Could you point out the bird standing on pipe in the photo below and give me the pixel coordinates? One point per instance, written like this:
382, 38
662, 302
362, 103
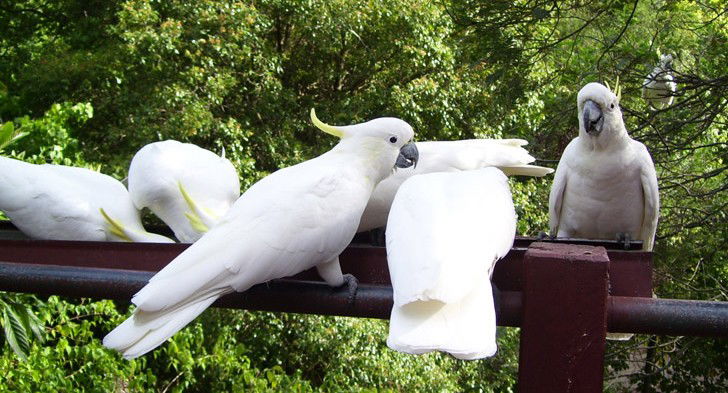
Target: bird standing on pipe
605, 185
294, 219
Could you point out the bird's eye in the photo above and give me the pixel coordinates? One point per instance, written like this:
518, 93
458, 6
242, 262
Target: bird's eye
612, 106
393, 139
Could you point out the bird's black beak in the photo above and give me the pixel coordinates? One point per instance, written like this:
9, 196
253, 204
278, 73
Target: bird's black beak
592, 118
408, 156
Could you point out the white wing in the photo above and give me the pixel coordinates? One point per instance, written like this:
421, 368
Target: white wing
445, 233
46, 206
556, 196
59, 202
648, 176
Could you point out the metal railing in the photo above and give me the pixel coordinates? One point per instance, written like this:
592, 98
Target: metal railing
565, 297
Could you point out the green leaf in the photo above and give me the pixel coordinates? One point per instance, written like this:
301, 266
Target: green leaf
30, 322
15, 333
6, 133
9, 134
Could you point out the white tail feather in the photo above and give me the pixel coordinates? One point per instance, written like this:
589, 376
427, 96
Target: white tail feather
144, 331
465, 329
512, 142
526, 170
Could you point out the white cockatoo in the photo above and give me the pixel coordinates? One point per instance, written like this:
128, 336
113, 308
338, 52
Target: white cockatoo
292, 220
188, 187
605, 185
659, 87
56, 202
445, 233
449, 156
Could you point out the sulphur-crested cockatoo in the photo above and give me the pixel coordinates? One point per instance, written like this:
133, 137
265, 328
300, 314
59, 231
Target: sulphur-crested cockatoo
659, 87
605, 186
445, 233
188, 187
441, 156
56, 202
294, 219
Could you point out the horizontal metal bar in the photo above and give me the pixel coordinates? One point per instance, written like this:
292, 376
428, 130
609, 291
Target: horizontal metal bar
375, 237
669, 317
299, 296
624, 314
634, 245
630, 272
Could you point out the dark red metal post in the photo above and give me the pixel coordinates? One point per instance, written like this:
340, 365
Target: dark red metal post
564, 318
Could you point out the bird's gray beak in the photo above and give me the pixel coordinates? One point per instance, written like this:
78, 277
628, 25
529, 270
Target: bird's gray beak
592, 118
408, 156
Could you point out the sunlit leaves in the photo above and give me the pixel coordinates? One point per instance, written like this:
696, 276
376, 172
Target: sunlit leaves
9, 134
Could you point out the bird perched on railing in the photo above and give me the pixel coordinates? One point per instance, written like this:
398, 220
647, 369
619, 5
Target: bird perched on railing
445, 233
440, 156
605, 185
56, 202
659, 87
188, 187
292, 220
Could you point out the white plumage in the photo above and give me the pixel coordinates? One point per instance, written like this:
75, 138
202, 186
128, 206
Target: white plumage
296, 218
659, 87
605, 185
56, 202
441, 156
445, 233
188, 187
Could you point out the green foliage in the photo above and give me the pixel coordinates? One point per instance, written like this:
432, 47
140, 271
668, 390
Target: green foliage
232, 351
8, 132
50, 138
73, 359
349, 354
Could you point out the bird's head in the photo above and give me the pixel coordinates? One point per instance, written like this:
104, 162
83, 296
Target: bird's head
666, 61
386, 138
599, 112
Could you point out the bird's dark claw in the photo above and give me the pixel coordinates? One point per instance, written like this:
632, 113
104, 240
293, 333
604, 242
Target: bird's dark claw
376, 237
543, 236
625, 239
352, 284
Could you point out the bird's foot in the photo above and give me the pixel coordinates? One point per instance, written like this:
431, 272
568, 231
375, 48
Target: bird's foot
376, 237
543, 236
352, 284
625, 239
